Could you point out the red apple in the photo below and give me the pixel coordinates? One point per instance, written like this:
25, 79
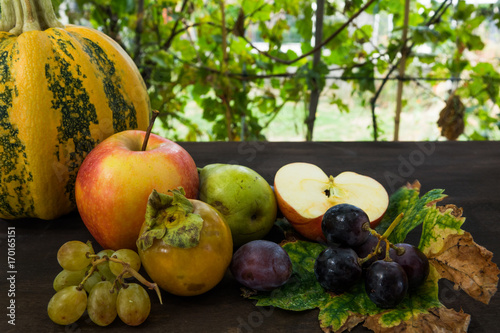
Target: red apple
304, 193
116, 178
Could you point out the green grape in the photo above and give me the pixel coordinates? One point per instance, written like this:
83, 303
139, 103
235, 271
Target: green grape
101, 304
133, 304
72, 255
67, 305
103, 268
95, 278
129, 256
68, 278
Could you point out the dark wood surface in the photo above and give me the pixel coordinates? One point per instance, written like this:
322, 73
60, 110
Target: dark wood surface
468, 171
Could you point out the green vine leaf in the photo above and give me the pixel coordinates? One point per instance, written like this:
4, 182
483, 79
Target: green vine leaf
302, 291
451, 251
415, 208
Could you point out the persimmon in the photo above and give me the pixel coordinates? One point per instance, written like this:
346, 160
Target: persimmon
185, 245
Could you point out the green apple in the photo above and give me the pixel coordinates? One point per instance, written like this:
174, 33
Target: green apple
242, 196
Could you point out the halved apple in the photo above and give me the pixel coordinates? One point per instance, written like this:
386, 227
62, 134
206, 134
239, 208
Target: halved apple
304, 193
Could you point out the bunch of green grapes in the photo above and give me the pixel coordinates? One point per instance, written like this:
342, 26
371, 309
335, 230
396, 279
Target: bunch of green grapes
95, 282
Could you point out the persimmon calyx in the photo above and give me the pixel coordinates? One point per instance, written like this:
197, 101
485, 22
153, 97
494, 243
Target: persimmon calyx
171, 219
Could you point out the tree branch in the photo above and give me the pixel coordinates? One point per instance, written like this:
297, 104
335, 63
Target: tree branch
139, 28
251, 77
258, 9
375, 47
168, 42
437, 15
402, 69
188, 26
315, 91
113, 28
224, 65
317, 47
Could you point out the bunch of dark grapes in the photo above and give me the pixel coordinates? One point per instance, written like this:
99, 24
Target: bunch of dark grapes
356, 251
95, 282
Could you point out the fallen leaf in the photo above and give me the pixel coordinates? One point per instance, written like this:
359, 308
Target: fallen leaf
435, 320
468, 264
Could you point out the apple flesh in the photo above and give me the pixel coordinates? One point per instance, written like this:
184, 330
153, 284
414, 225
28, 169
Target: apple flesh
304, 193
116, 178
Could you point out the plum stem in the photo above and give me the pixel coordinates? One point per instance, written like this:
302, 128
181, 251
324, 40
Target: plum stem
150, 127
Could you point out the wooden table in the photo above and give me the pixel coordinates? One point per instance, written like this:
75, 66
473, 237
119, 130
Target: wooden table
469, 171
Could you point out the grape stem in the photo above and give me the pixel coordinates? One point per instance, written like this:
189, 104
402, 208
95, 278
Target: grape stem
382, 238
387, 233
89, 274
393, 225
369, 256
387, 248
399, 250
119, 278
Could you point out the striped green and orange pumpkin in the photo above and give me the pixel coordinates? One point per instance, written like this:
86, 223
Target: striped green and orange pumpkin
62, 91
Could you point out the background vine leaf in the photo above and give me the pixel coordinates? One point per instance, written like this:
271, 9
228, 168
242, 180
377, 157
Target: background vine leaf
178, 47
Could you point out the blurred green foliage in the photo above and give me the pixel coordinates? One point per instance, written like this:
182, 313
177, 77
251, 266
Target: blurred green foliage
230, 57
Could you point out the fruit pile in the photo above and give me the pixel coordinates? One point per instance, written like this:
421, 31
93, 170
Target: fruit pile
97, 283
190, 225
355, 251
184, 244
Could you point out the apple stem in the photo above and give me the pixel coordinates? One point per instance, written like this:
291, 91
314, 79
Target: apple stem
150, 127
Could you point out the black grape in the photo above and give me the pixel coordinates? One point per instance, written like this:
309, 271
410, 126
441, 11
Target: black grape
414, 262
337, 269
344, 224
386, 283
261, 265
367, 247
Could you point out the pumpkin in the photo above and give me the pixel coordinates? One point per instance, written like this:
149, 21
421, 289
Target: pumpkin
63, 89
